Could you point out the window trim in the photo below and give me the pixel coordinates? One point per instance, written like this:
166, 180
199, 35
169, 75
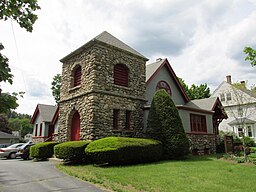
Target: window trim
41, 129
200, 126
127, 120
115, 119
167, 87
77, 76
229, 96
36, 129
121, 75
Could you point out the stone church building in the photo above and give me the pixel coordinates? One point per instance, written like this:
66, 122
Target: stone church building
107, 89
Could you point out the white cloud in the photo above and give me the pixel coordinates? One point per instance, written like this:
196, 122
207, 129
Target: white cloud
203, 40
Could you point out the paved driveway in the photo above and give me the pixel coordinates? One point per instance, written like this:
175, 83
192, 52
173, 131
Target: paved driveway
18, 176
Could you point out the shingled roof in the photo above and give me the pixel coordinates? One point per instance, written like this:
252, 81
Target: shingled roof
46, 112
206, 104
4, 135
108, 39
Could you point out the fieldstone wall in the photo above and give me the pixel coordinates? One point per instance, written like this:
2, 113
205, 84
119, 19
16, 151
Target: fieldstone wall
201, 144
38, 139
97, 96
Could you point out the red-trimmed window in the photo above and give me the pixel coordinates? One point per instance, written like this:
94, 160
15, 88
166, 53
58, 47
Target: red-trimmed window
164, 85
115, 118
77, 76
121, 75
128, 120
41, 129
198, 123
36, 129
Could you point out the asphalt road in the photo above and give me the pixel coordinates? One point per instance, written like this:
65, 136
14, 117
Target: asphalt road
18, 175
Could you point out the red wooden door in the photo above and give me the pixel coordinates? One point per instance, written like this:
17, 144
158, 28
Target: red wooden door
75, 127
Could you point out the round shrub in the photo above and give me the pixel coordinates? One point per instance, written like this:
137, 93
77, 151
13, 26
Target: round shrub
72, 151
42, 151
123, 150
165, 125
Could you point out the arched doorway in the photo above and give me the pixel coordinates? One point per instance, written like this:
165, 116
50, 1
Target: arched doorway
75, 127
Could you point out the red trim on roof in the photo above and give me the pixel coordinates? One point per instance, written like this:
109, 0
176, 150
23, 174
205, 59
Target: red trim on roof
55, 117
32, 121
176, 81
194, 110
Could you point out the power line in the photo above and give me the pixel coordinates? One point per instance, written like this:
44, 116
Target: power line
18, 56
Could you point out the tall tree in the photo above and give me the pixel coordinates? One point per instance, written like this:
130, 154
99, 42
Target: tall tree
56, 83
4, 124
251, 55
20, 124
196, 91
165, 125
23, 13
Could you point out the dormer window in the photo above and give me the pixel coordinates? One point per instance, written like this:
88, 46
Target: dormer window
77, 76
164, 85
121, 75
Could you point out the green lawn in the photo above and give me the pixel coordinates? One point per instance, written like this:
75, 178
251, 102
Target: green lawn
194, 174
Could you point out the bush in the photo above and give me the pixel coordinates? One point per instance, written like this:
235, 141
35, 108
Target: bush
165, 125
249, 142
123, 150
42, 151
72, 151
253, 149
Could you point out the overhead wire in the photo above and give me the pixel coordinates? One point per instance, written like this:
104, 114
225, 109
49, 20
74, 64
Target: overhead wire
18, 56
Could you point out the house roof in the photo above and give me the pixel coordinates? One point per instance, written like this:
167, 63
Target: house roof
245, 90
241, 120
46, 112
4, 135
206, 104
153, 69
105, 38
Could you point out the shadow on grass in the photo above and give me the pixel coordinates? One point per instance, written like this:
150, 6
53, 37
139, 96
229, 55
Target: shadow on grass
189, 158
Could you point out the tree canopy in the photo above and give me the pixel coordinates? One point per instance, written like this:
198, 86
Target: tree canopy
23, 13
196, 91
251, 55
56, 83
20, 11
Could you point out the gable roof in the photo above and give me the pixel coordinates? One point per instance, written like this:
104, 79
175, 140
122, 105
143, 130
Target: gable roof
245, 90
153, 69
244, 120
46, 111
4, 135
105, 38
206, 103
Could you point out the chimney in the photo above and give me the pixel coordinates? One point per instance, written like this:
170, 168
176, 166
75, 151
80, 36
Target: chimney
159, 59
242, 84
228, 79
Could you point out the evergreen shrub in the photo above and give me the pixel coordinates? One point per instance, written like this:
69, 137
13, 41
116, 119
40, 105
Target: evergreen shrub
165, 125
72, 151
123, 150
42, 151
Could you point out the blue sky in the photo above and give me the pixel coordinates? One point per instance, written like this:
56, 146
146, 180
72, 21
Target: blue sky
203, 40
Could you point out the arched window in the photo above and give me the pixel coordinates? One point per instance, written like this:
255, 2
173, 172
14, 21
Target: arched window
77, 76
121, 75
165, 86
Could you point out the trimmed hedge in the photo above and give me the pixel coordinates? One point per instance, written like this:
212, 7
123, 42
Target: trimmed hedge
72, 151
42, 151
123, 150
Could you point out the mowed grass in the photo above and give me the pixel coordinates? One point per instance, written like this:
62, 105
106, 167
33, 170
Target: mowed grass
194, 174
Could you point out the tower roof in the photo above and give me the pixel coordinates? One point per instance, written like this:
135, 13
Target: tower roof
108, 39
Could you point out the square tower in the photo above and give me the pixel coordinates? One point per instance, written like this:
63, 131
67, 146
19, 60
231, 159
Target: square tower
103, 91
